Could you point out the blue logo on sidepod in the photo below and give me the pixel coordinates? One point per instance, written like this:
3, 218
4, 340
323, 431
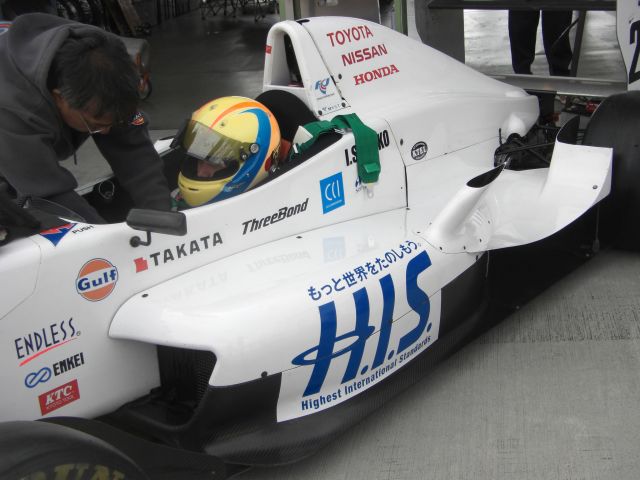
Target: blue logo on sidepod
34, 378
332, 192
322, 85
321, 355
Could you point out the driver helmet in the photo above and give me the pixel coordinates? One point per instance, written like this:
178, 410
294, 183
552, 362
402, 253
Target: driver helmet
229, 145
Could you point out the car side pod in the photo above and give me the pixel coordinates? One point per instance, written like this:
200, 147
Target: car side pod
449, 227
512, 208
156, 221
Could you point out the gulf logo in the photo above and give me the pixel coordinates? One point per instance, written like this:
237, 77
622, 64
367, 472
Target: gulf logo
96, 279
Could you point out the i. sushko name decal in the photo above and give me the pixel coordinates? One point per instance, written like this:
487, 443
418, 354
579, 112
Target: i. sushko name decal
96, 279
361, 340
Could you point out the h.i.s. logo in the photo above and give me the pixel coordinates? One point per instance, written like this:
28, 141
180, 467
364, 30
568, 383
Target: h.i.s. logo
332, 345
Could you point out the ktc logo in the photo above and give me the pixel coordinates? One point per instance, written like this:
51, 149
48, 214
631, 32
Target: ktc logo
35, 378
322, 85
96, 279
332, 192
353, 343
59, 397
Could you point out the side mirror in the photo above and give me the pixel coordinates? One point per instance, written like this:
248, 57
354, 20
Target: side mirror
156, 221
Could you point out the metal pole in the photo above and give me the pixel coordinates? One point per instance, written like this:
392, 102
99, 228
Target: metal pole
400, 16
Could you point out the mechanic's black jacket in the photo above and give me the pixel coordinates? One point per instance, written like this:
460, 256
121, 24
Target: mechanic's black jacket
33, 136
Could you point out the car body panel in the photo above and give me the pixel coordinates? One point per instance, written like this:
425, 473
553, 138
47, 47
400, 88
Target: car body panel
313, 287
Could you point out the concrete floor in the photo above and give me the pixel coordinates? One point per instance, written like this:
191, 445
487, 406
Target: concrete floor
550, 393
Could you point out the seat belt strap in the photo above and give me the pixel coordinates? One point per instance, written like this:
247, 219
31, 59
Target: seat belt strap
365, 137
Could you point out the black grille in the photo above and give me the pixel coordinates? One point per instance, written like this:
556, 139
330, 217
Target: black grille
184, 374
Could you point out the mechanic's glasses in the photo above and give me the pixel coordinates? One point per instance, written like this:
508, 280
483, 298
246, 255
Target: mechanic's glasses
93, 131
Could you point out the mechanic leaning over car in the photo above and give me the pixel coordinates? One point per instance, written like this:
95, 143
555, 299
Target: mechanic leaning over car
61, 82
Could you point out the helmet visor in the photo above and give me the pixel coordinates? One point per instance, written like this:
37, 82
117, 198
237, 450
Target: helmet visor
222, 154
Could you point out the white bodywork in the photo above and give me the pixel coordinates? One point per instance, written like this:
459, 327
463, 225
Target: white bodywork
261, 279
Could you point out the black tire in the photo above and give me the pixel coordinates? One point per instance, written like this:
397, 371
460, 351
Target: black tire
46, 450
616, 124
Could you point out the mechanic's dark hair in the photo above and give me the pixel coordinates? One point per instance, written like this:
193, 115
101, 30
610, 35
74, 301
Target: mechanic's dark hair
95, 66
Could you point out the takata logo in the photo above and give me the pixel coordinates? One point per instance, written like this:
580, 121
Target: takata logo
332, 192
96, 279
322, 85
59, 397
177, 252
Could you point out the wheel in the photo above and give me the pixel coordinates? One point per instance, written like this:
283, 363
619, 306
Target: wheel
46, 450
616, 124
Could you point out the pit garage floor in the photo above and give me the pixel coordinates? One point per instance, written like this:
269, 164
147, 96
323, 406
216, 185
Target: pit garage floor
552, 392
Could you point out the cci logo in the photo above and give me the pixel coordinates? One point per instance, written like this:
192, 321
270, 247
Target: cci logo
332, 345
332, 192
322, 85
34, 378
96, 279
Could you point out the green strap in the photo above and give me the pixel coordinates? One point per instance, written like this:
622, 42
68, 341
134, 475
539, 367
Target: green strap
366, 142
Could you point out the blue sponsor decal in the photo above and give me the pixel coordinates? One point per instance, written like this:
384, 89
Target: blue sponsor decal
321, 85
332, 192
370, 268
54, 235
35, 378
353, 343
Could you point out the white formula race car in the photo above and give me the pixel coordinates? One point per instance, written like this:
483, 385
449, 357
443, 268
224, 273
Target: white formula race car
252, 330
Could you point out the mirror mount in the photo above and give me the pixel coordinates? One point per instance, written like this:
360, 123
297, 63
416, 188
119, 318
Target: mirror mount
156, 221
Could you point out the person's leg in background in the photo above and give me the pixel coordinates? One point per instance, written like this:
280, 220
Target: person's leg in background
523, 26
557, 47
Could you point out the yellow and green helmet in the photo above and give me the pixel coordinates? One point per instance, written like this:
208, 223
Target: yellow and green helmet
234, 140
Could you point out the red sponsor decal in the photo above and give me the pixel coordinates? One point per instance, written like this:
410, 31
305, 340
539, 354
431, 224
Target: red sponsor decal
96, 279
268, 49
141, 264
138, 119
349, 35
375, 74
59, 397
